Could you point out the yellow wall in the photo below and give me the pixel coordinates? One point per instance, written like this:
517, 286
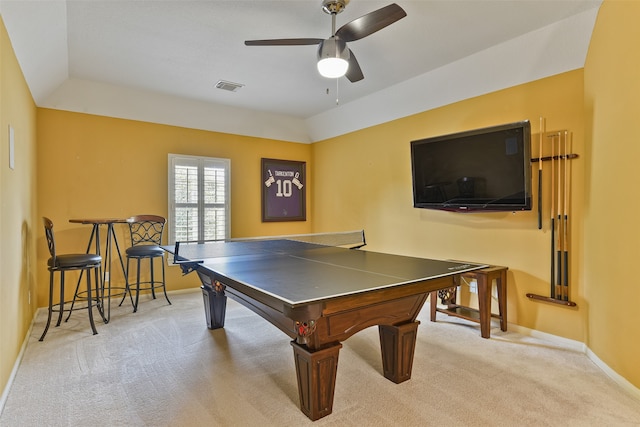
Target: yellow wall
92, 166
363, 180
17, 209
612, 206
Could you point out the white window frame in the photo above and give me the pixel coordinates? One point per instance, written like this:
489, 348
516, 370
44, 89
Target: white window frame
201, 162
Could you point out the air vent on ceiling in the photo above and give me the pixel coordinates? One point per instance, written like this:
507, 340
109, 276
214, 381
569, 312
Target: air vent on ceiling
230, 86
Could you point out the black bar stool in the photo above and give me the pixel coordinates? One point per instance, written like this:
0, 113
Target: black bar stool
146, 238
69, 262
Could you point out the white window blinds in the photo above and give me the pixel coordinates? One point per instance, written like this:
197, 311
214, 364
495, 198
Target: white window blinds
199, 202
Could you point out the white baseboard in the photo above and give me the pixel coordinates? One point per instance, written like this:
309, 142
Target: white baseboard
16, 365
560, 341
626, 385
581, 347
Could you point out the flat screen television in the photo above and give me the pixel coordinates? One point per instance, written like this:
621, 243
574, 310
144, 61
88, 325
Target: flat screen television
486, 169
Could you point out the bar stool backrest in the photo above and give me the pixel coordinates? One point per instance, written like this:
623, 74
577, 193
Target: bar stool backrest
51, 243
146, 229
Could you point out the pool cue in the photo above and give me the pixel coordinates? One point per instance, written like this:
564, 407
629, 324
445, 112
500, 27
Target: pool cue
553, 227
560, 232
540, 177
560, 222
567, 175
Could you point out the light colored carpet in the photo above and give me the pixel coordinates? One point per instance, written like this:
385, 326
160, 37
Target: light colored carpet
163, 367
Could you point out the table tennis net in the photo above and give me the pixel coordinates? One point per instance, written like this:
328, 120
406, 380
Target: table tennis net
184, 251
347, 239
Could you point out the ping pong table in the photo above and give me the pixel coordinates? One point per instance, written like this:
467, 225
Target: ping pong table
320, 295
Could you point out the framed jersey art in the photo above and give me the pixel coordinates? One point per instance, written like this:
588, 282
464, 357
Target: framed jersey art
283, 190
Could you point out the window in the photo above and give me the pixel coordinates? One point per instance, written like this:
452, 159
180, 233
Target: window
199, 202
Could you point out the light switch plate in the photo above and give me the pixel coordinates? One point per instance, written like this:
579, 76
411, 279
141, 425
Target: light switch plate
11, 147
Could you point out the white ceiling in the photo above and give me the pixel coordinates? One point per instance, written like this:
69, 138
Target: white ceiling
160, 60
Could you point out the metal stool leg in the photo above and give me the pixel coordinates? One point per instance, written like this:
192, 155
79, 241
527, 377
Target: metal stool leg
135, 305
75, 295
61, 301
127, 288
90, 303
46, 328
164, 282
143, 285
153, 280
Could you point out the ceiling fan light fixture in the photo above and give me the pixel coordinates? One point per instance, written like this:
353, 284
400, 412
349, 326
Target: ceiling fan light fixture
333, 58
332, 68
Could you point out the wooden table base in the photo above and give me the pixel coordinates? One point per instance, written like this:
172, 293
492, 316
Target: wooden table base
482, 315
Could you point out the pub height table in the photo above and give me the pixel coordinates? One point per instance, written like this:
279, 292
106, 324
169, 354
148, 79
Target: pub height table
111, 240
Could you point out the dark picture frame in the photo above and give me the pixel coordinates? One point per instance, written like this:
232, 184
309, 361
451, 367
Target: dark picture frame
283, 190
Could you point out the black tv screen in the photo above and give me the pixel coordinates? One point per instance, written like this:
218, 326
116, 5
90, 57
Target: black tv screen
486, 169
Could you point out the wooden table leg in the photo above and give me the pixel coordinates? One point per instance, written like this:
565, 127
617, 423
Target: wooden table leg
398, 344
215, 303
484, 304
316, 373
501, 284
433, 299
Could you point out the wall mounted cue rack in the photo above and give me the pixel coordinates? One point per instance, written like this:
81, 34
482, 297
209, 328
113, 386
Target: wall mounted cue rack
559, 145
551, 300
562, 157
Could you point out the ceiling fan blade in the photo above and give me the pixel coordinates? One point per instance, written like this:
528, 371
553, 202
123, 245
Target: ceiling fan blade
371, 22
282, 42
354, 73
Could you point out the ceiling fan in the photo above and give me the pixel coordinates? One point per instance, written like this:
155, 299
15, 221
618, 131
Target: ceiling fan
335, 59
